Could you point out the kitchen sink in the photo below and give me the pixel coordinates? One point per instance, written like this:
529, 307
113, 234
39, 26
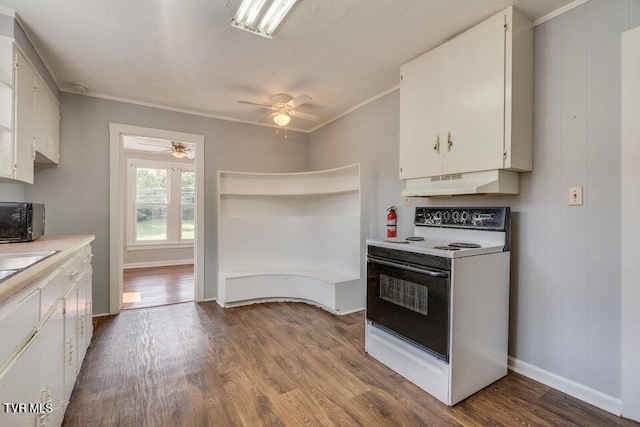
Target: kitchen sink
14, 263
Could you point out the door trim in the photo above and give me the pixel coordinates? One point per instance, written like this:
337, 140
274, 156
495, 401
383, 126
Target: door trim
116, 230
630, 204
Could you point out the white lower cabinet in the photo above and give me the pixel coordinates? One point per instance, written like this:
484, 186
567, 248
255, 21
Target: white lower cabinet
20, 385
37, 378
51, 379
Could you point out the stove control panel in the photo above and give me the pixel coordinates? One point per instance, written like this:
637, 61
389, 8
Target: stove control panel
474, 218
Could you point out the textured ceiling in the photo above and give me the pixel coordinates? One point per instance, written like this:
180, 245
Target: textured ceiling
186, 55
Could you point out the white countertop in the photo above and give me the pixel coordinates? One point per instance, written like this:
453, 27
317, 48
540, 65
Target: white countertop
65, 244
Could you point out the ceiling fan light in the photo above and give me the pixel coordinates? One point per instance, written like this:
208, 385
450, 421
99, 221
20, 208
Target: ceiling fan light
282, 119
179, 154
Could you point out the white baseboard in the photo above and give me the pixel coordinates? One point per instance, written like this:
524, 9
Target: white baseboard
157, 263
567, 386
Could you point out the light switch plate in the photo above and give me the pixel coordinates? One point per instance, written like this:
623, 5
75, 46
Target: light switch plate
575, 196
407, 201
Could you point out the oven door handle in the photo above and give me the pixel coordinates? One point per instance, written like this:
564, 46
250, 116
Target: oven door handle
426, 271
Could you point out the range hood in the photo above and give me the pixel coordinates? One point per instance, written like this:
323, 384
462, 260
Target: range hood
486, 182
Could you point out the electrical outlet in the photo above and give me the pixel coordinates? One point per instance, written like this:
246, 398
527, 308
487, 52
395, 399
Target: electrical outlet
407, 201
575, 196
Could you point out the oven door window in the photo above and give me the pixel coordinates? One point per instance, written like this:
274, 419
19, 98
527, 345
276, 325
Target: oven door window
411, 304
405, 294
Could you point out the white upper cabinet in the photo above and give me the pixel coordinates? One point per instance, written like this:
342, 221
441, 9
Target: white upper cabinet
24, 107
467, 105
29, 117
47, 125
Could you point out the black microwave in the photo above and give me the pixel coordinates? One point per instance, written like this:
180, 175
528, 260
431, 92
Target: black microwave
21, 222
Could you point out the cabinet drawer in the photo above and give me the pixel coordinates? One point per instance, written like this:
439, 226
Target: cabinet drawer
84, 257
70, 272
18, 323
50, 291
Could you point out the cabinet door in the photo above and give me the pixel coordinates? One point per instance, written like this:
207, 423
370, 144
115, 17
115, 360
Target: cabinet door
89, 321
70, 341
24, 124
20, 383
421, 116
82, 317
51, 340
7, 76
47, 124
473, 104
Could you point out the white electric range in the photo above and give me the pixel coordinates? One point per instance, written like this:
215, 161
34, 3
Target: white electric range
437, 304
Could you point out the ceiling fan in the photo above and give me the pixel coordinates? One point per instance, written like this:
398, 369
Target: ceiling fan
284, 108
177, 149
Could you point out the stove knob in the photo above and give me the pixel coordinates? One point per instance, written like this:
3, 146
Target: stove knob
464, 216
446, 215
437, 216
456, 216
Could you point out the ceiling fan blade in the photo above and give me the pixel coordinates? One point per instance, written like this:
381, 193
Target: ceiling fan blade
305, 116
298, 100
160, 143
267, 118
271, 107
190, 155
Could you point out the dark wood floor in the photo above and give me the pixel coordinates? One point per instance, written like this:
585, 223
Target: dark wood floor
278, 364
156, 286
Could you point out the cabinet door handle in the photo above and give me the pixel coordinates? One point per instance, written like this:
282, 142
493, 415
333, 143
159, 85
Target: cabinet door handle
73, 273
449, 142
45, 398
70, 353
437, 144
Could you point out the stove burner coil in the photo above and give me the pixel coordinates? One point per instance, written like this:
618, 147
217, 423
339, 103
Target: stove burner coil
415, 239
446, 248
465, 245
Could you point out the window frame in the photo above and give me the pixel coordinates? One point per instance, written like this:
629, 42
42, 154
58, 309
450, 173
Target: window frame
174, 204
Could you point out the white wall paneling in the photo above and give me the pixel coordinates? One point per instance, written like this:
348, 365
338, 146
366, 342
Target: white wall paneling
630, 227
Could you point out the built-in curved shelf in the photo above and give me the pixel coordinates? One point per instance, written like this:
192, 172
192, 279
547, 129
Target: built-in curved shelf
290, 192
339, 180
291, 236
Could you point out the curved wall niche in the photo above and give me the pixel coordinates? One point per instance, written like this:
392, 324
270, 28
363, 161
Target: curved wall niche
290, 236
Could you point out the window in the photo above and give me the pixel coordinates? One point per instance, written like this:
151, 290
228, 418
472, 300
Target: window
187, 205
161, 203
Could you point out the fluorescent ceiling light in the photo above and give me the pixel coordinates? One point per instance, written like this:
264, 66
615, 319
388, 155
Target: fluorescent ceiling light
268, 13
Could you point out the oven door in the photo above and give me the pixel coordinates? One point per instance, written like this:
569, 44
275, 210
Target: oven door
411, 301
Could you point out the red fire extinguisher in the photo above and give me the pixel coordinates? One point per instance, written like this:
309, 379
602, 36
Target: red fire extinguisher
391, 222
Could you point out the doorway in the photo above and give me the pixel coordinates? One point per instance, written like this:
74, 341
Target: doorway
157, 217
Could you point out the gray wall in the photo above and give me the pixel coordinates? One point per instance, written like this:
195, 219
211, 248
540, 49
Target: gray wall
76, 193
565, 288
